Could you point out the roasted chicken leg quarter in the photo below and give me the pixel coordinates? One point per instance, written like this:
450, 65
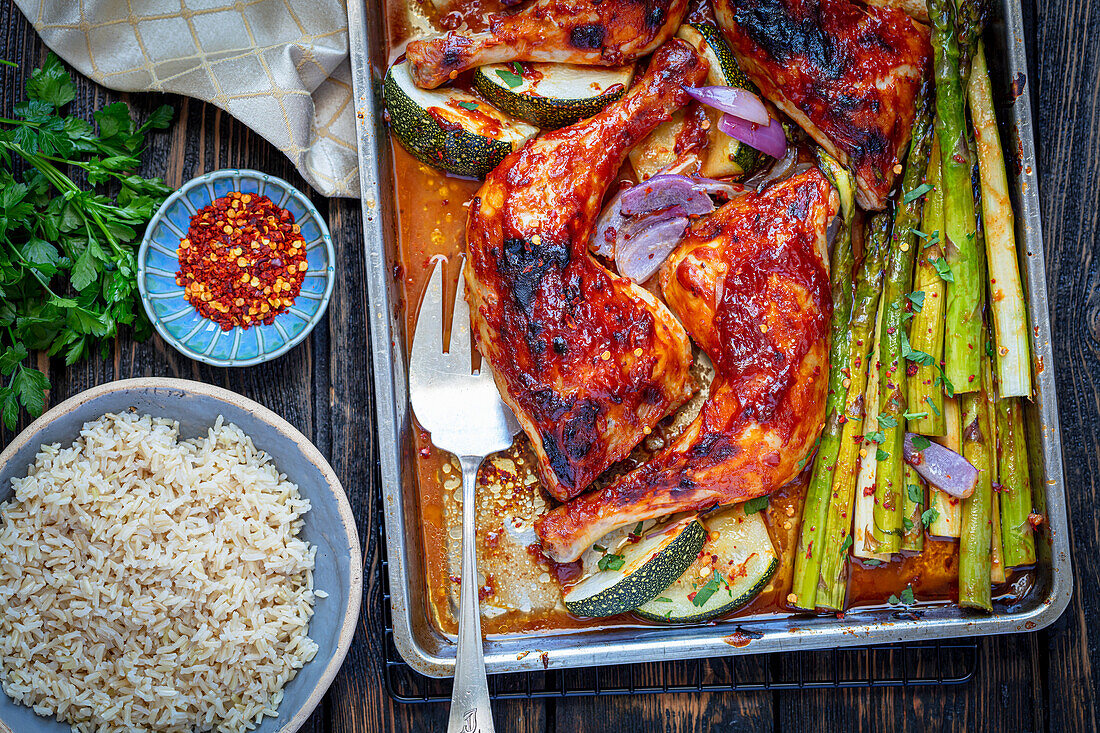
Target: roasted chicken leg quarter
588, 361
593, 32
751, 284
848, 74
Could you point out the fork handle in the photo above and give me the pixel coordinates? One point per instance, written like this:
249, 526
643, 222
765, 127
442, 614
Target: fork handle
470, 712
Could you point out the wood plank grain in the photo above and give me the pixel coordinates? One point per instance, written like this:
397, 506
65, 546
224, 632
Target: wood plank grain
1068, 88
674, 713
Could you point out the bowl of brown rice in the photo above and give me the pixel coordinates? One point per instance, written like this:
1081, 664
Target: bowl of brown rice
173, 557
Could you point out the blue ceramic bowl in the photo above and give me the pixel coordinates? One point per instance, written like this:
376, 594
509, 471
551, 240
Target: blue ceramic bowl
329, 524
179, 323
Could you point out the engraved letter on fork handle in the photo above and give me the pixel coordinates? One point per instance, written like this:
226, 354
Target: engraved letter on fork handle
470, 712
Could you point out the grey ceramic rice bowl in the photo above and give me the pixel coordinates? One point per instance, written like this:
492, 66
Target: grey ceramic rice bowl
329, 524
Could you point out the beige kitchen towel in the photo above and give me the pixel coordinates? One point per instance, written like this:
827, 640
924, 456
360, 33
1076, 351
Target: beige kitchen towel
279, 66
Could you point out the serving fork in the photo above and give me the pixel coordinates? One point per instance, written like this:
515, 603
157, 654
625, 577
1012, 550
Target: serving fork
464, 414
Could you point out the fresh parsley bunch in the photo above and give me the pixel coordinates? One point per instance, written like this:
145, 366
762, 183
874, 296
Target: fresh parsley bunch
67, 264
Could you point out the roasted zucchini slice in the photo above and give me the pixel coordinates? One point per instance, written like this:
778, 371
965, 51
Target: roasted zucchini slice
552, 95
634, 568
449, 128
734, 565
724, 156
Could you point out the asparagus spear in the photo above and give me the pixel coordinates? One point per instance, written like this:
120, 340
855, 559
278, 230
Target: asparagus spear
913, 502
946, 520
996, 550
811, 545
926, 329
1007, 294
976, 540
894, 346
864, 544
971, 18
962, 342
838, 525
1012, 470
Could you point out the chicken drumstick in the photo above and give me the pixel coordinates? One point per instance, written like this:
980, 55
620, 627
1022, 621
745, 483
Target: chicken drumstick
588, 361
593, 32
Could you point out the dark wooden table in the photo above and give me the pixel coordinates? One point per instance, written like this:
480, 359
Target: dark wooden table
1045, 681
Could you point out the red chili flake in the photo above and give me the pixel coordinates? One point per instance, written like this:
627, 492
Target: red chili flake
243, 261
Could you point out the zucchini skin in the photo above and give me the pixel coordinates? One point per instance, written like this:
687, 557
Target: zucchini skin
452, 150
648, 581
545, 112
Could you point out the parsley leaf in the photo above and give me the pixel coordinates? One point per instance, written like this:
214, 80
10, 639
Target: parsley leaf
907, 524
917, 299
920, 442
916, 193
932, 405
872, 563
887, 421
468, 105
709, 589
915, 415
915, 494
881, 455
512, 79
893, 600
848, 542
754, 505
943, 269
876, 437
907, 596
67, 250
929, 516
611, 562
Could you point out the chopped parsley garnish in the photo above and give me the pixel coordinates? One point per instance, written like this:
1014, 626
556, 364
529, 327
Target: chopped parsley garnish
916, 193
928, 517
848, 542
943, 381
920, 442
907, 523
931, 405
907, 596
637, 531
881, 455
611, 562
886, 421
915, 415
915, 355
752, 506
875, 437
708, 590
472, 106
917, 299
663, 599
512, 79
599, 548
943, 269
915, 494
893, 600
872, 563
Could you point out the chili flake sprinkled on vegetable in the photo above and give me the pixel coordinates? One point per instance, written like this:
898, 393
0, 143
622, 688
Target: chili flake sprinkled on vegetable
243, 261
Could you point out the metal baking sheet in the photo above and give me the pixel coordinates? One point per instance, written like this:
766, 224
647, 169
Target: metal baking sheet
432, 653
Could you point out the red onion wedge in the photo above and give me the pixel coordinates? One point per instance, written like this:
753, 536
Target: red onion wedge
941, 467
641, 255
732, 100
674, 195
769, 139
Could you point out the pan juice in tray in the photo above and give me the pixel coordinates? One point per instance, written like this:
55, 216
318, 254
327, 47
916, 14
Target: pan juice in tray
765, 366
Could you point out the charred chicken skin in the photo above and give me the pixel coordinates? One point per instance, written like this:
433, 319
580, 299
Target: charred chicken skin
847, 74
750, 283
593, 32
588, 361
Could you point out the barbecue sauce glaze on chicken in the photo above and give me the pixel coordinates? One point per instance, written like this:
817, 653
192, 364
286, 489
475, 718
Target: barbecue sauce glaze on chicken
593, 32
589, 361
750, 283
848, 74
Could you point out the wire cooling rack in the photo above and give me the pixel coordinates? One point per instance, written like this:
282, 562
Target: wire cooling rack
933, 663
